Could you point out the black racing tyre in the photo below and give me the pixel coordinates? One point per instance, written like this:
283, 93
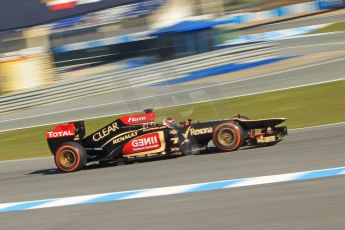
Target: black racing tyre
70, 157
228, 137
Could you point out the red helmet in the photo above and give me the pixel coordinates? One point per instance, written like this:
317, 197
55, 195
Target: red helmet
169, 122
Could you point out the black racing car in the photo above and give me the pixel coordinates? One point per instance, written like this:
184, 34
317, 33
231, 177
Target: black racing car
136, 137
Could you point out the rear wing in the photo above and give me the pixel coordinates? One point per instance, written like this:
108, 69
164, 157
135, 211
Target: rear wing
75, 129
62, 133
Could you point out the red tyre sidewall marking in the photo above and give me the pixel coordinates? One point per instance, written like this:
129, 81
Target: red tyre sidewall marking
58, 153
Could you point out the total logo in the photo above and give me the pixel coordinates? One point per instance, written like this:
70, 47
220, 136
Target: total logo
63, 130
52, 134
66, 4
143, 143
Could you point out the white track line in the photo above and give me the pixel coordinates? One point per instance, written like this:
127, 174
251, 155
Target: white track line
307, 18
315, 35
318, 126
290, 130
171, 190
26, 159
324, 44
182, 91
109, 115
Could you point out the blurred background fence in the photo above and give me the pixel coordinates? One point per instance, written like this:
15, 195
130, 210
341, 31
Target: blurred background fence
169, 37
146, 75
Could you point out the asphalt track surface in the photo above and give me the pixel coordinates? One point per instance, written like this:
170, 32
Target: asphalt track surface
308, 44
312, 204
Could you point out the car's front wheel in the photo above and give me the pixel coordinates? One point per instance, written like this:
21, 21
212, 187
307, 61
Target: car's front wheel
228, 137
70, 157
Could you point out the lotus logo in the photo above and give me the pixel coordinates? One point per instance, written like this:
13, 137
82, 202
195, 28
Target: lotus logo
66, 4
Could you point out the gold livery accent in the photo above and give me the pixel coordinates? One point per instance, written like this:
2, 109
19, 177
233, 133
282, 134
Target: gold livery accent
262, 139
68, 158
174, 140
173, 131
196, 132
175, 137
154, 128
185, 134
125, 137
120, 135
105, 132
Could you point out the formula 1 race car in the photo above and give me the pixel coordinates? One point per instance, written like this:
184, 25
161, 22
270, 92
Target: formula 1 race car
136, 137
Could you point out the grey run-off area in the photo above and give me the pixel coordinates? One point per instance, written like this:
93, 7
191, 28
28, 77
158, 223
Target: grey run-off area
314, 204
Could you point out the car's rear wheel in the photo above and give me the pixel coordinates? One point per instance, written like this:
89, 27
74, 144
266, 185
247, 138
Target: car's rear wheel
228, 137
70, 157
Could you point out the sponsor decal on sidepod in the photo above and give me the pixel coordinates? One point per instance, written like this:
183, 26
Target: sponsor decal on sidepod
143, 143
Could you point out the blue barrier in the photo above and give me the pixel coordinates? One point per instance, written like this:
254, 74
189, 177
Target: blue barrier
308, 7
143, 9
290, 10
98, 43
272, 35
331, 4
218, 70
68, 22
136, 62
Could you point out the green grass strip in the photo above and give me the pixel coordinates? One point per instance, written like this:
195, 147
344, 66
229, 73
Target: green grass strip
307, 106
340, 26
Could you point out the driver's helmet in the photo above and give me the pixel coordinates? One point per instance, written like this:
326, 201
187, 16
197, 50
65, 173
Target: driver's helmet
169, 122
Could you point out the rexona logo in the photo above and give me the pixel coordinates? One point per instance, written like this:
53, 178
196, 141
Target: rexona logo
137, 119
66, 4
142, 144
64, 130
196, 132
